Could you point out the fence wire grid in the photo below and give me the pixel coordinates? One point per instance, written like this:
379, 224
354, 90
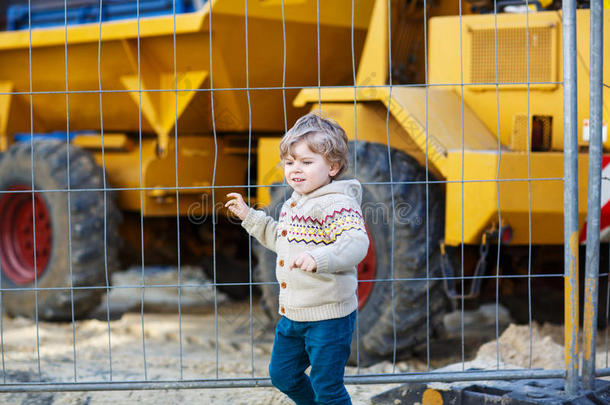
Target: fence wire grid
197, 206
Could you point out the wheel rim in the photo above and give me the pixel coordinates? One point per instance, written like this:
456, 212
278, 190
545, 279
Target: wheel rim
366, 272
17, 235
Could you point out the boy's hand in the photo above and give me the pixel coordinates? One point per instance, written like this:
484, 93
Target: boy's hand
305, 262
237, 205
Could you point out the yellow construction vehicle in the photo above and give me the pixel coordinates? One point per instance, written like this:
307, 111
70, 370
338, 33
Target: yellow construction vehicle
457, 141
470, 163
155, 117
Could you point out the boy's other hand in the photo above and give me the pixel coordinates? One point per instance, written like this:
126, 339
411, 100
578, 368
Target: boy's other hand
305, 262
237, 205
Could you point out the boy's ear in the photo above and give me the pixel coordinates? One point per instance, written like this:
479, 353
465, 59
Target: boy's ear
334, 169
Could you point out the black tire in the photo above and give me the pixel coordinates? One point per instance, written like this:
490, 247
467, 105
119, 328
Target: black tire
88, 257
418, 305
232, 266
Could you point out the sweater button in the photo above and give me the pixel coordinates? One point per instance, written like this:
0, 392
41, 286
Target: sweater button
283, 284
284, 233
293, 204
282, 310
281, 263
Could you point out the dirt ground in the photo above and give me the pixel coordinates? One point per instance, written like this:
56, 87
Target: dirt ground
213, 338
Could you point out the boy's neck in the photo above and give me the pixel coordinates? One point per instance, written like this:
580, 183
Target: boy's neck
330, 180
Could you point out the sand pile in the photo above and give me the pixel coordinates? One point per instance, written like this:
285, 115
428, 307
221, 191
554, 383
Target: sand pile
540, 346
523, 347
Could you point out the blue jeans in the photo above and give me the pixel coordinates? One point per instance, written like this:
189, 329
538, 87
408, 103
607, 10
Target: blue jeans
325, 345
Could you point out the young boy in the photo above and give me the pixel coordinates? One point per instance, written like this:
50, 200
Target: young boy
319, 239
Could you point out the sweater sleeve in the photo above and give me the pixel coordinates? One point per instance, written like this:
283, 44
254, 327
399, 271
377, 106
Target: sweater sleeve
262, 227
349, 240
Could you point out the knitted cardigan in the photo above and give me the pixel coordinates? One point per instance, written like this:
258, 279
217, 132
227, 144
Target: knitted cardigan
328, 224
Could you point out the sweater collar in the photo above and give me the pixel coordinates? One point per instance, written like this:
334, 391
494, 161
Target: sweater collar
351, 188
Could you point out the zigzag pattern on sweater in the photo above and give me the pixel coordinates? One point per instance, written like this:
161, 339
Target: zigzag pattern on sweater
322, 241
301, 231
321, 222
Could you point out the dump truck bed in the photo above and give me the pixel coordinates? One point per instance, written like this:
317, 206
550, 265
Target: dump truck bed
120, 58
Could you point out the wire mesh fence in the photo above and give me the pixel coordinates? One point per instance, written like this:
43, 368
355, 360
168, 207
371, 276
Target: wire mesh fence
123, 126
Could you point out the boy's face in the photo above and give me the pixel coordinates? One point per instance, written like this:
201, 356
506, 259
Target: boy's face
306, 170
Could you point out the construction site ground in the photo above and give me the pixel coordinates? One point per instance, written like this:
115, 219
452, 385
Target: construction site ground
218, 338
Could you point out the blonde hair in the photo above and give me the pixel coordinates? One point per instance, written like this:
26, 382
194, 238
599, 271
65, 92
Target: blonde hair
323, 136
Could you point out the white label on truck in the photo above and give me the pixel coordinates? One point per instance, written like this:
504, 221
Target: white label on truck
585, 131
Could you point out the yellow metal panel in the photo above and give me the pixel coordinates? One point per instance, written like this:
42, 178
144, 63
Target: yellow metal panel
409, 106
301, 12
269, 169
475, 56
481, 191
171, 105
195, 174
373, 68
159, 108
122, 49
446, 127
5, 109
415, 127
406, 132
498, 111
371, 126
517, 40
142, 98
467, 217
280, 2
345, 94
519, 135
111, 141
113, 30
480, 188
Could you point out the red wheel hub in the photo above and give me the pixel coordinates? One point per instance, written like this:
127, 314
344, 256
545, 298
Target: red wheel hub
366, 273
17, 235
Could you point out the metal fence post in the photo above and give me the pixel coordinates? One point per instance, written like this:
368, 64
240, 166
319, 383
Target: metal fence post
594, 191
570, 195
